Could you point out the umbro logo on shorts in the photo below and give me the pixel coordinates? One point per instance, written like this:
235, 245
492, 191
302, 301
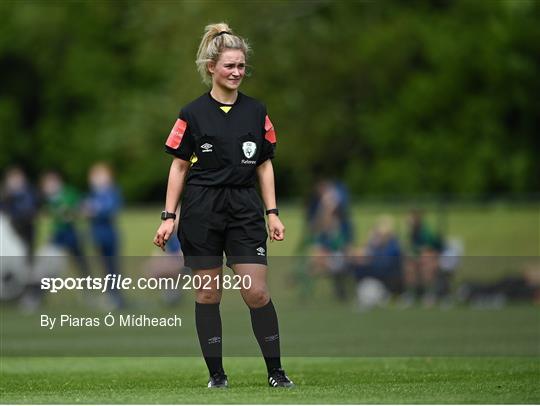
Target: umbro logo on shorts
206, 147
261, 251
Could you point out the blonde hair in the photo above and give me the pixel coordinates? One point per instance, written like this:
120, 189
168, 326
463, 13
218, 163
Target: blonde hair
217, 38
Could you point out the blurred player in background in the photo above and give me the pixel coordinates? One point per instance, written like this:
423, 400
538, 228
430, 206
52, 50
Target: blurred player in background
19, 202
381, 258
168, 264
63, 205
18, 212
422, 266
101, 207
330, 233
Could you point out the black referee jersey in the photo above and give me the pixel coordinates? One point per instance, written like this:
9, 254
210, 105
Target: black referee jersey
224, 142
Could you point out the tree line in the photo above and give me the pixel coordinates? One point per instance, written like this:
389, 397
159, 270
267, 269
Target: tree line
395, 98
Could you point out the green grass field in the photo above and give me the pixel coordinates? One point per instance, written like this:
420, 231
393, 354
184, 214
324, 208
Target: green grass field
319, 380
486, 230
334, 353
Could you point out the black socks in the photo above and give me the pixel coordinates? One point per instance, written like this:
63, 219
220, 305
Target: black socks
208, 321
265, 326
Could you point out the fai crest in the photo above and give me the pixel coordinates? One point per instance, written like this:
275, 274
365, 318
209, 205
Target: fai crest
249, 148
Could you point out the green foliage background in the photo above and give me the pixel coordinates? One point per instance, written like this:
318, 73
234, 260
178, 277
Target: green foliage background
396, 98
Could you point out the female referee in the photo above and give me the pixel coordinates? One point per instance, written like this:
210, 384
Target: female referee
222, 142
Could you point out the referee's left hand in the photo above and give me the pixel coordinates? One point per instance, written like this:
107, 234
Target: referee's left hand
276, 229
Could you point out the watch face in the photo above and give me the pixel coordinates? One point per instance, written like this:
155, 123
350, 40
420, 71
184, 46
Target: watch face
166, 215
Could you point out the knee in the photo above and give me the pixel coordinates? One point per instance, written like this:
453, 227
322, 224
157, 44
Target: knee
257, 297
208, 296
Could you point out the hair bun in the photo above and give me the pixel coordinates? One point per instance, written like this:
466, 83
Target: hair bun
210, 50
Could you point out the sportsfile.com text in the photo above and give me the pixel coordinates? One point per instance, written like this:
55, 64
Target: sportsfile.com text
112, 282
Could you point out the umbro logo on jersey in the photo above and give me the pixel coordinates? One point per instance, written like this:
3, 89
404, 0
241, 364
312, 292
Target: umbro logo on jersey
206, 147
261, 251
249, 149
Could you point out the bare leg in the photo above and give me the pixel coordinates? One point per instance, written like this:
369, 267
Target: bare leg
257, 295
211, 294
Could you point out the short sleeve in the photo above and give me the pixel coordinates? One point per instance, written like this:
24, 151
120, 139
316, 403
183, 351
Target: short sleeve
269, 141
180, 141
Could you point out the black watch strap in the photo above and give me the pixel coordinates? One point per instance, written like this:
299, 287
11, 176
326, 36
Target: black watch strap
165, 215
272, 211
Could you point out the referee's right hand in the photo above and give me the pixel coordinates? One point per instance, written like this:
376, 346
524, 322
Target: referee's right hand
163, 233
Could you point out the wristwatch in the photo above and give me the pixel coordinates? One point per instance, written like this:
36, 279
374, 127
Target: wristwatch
272, 211
165, 215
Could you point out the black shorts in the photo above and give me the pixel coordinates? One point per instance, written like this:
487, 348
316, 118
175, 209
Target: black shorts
214, 220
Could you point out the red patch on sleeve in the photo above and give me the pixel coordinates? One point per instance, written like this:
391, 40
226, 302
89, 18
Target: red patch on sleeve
177, 133
270, 134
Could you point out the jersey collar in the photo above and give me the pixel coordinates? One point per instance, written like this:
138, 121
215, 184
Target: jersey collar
219, 104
